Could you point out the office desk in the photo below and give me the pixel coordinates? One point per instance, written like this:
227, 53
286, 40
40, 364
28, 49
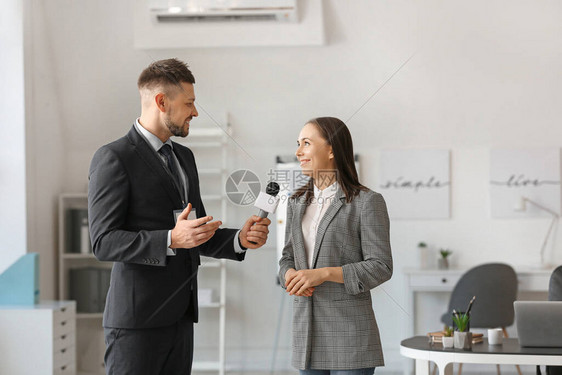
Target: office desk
436, 281
510, 352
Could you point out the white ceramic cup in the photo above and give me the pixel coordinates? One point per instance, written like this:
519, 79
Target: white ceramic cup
448, 342
495, 336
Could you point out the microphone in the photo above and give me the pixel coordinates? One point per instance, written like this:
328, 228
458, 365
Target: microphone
267, 202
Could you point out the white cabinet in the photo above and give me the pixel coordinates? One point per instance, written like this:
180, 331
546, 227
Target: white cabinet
38, 339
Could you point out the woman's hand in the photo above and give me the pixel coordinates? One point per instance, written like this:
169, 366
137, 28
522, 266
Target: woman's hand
289, 275
302, 283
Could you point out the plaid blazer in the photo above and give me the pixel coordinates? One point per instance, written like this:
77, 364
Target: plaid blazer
335, 329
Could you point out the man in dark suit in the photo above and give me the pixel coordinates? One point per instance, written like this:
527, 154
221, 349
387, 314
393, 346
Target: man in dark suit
142, 189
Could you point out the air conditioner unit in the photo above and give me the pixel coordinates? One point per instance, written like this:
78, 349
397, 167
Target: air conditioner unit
191, 29
203, 11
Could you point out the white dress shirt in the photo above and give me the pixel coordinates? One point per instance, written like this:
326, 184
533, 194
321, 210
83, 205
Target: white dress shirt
313, 215
156, 144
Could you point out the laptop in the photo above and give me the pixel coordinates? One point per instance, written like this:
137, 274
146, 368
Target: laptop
539, 323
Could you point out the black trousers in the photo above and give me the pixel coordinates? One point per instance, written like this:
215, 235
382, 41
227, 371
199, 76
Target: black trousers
153, 351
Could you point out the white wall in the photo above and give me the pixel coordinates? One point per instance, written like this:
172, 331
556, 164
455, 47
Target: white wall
485, 74
13, 239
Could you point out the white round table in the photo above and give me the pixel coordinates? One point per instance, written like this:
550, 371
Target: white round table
423, 351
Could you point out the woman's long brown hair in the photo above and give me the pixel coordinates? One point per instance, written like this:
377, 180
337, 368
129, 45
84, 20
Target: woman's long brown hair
336, 133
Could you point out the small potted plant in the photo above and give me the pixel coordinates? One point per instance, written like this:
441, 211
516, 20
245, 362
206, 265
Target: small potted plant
424, 255
443, 262
448, 339
462, 337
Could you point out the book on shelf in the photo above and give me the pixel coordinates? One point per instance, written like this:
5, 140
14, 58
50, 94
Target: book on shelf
88, 287
437, 337
77, 231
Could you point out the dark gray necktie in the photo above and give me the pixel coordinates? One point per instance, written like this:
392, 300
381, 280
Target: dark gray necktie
166, 150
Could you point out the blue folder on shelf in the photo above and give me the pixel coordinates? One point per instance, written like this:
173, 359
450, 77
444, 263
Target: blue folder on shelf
19, 284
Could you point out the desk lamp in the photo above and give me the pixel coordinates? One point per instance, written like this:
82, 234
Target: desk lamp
522, 206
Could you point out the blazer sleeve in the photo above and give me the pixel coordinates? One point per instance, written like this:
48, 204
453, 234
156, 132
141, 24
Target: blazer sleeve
287, 260
221, 245
376, 267
108, 201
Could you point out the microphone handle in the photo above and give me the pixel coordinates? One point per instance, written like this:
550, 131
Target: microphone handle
263, 215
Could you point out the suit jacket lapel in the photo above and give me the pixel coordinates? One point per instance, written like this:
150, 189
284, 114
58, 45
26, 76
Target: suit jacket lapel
331, 211
298, 238
148, 156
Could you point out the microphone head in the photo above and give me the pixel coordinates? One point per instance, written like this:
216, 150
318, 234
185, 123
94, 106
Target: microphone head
272, 189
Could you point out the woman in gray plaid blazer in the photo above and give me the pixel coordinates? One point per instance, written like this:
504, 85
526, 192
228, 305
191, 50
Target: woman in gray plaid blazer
337, 249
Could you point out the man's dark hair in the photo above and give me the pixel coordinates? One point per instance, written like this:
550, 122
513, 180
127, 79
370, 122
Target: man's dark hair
165, 73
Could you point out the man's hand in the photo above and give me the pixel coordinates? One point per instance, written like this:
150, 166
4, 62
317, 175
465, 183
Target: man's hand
191, 233
289, 276
254, 233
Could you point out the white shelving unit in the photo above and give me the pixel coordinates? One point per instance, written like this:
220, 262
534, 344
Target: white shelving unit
90, 346
206, 142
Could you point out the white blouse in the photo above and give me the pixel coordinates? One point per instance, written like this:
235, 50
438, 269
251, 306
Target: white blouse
313, 215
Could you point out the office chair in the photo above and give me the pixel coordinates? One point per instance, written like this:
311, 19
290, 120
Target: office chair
495, 288
554, 294
555, 285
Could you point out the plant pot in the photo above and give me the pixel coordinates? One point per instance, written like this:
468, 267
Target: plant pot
442, 263
425, 258
448, 342
463, 340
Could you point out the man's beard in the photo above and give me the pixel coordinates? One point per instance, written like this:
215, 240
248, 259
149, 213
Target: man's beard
178, 131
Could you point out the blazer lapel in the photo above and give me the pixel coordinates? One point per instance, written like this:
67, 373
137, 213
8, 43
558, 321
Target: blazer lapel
298, 238
149, 156
331, 211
